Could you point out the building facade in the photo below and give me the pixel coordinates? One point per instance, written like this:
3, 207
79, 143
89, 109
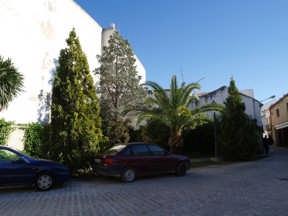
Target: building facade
252, 106
279, 121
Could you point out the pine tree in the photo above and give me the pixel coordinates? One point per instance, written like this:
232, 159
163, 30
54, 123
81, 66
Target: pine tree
75, 116
119, 87
239, 136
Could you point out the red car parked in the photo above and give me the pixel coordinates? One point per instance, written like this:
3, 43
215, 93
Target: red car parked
139, 159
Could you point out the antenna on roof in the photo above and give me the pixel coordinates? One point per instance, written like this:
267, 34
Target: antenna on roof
201, 79
182, 74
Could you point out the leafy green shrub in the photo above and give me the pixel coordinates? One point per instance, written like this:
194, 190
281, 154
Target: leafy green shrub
34, 139
199, 141
156, 132
5, 129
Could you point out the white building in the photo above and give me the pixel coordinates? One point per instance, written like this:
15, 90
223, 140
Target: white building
32, 34
252, 106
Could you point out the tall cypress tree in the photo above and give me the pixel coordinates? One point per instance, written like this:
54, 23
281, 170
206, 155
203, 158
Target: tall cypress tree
240, 137
75, 116
119, 87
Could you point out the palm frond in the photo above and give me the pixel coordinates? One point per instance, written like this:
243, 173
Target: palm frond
11, 82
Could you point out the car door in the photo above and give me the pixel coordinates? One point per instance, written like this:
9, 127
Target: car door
13, 169
140, 159
160, 160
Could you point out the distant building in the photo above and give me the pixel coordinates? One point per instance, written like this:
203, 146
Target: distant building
252, 105
279, 121
265, 115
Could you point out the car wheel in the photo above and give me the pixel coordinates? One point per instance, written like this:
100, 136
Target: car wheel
44, 182
181, 169
128, 175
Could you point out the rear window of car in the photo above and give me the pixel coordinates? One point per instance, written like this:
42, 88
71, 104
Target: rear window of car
125, 152
115, 149
140, 150
156, 150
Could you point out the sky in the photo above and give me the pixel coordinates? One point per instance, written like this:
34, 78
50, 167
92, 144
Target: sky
207, 40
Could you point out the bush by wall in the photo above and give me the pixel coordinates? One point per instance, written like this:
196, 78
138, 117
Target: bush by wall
5, 129
34, 139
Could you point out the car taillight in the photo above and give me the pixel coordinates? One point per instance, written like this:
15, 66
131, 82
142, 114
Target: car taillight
108, 161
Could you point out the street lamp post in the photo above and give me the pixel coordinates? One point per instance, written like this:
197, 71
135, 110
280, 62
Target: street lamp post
269, 98
216, 153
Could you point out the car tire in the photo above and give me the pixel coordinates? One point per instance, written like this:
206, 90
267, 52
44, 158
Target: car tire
181, 169
128, 175
44, 181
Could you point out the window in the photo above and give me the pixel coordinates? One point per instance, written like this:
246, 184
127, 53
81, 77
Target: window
287, 107
140, 150
6, 155
156, 150
125, 152
277, 112
115, 149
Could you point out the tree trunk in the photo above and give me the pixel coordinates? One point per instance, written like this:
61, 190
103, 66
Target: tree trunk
175, 141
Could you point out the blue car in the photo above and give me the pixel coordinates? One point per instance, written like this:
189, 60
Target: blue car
19, 169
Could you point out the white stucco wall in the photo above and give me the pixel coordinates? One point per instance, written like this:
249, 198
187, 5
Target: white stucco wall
32, 34
15, 139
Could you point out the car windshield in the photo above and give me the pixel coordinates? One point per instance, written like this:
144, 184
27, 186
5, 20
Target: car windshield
7, 153
115, 149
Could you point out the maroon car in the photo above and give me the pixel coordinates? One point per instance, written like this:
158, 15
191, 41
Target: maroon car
139, 159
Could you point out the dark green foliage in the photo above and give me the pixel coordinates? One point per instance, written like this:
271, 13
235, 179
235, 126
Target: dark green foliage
75, 122
240, 137
34, 139
5, 129
11, 82
118, 130
199, 141
119, 87
135, 134
156, 132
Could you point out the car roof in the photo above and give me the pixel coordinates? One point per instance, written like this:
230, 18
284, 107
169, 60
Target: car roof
136, 143
6, 147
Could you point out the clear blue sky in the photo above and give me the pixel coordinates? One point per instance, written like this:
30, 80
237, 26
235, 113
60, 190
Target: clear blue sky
215, 39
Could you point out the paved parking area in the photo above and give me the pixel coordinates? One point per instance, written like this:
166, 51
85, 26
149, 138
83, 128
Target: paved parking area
251, 188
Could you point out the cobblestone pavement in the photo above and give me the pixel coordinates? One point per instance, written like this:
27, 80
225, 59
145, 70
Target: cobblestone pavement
250, 188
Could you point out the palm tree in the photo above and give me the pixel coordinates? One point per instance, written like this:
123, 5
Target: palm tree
11, 82
171, 107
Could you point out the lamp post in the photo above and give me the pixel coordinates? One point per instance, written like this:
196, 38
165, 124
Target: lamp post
216, 150
269, 98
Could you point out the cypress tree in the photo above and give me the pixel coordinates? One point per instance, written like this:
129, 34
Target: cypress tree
75, 116
119, 87
240, 137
